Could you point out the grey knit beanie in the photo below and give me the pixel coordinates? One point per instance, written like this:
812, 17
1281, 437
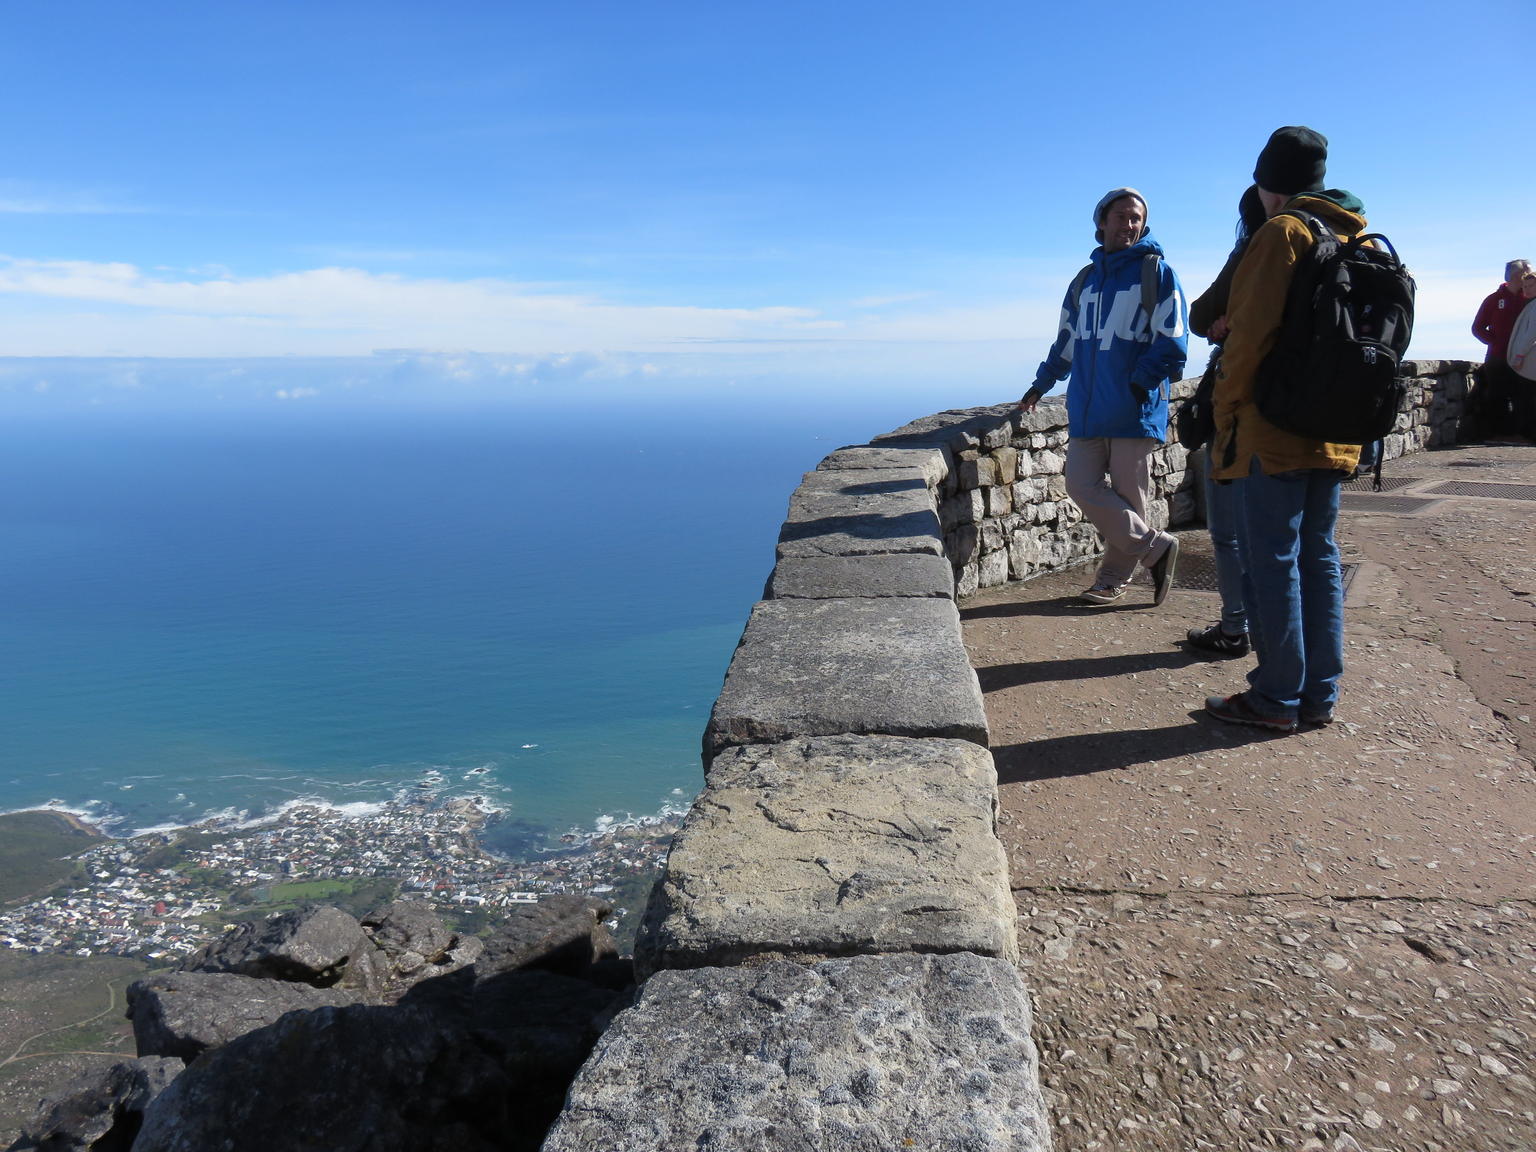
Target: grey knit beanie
1109, 198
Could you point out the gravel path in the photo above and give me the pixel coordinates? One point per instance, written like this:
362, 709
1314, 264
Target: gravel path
1321, 941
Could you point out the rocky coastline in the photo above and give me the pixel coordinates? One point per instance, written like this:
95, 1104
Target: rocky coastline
161, 895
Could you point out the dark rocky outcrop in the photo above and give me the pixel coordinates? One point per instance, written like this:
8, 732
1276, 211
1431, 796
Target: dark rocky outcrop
346, 1078
101, 1111
561, 933
312, 1032
182, 1013
321, 947
417, 945
486, 1069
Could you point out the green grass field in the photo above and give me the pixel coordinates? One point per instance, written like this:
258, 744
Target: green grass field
35, 852
357, 897
59, 1015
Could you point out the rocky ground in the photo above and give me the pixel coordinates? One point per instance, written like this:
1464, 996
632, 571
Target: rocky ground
1324, 941
60, 1016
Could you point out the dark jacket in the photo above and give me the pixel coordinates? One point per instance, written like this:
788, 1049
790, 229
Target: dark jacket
1254, 312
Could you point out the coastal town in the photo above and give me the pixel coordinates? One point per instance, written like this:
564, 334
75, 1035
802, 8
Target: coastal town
161, 895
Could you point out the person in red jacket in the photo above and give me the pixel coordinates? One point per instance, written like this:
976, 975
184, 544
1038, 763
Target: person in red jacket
1494, 400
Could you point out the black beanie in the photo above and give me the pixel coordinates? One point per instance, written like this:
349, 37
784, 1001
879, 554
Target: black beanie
1295, 160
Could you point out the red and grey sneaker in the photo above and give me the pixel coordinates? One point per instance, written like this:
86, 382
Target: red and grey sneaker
1239, 709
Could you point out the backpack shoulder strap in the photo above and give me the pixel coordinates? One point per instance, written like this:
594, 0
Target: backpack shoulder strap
1075, 292
1149, 276
1321, 233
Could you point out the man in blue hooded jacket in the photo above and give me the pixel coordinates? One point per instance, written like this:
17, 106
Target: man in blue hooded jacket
1124, 335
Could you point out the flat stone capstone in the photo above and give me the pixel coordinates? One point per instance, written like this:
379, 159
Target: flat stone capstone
861, 513
895, 667
872, 577
832, 846
862, 1054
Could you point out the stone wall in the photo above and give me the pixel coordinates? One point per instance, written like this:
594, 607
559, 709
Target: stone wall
829, 957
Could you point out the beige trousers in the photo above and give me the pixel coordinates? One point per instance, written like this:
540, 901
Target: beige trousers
1110, 479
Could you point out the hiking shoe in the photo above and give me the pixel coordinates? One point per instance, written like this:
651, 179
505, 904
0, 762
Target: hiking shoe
1239, 709
1218, 642
1162, 572
1104, 593
1316, 719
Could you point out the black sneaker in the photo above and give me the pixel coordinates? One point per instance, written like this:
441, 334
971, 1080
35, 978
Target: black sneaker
1316, 719
1217, 642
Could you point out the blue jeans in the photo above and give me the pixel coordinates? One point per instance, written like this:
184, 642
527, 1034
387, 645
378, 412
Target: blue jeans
1293, 586
1221, 520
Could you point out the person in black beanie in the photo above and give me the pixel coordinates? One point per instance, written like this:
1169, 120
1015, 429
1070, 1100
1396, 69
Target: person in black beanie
1294, 161
1288, 485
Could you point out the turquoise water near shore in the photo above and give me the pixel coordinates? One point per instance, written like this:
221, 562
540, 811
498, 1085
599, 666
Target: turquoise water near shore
225, 615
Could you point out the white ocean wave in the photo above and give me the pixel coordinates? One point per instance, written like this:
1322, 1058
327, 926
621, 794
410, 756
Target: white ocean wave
89, 812
351, 810
608, 823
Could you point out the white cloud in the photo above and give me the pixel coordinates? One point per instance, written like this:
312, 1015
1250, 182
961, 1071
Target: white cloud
20, 198
519, 331
335, 311
887, 301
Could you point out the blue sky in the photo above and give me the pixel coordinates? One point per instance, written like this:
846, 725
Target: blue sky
480, 200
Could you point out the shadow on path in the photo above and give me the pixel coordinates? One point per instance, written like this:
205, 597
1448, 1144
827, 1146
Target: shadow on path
1059, 757
1061, 606
996, 677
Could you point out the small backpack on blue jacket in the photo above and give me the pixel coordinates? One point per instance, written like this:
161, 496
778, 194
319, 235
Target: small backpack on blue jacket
1333, 373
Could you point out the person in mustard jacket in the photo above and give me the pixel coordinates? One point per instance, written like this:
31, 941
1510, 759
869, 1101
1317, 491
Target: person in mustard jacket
1288, 498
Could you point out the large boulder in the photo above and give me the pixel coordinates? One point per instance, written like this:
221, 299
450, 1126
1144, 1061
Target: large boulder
483, 1072
335, 1079
417, 944
100, 1111
182, 1013
321, 947
864, 1054
562, 933
541, 1024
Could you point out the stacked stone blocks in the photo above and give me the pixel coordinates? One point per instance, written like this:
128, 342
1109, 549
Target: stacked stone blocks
829, 955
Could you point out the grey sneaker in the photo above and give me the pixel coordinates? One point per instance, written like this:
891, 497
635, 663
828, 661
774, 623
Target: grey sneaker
1104, 593
1162, 572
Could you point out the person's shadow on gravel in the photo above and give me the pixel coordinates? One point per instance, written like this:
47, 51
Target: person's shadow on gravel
1061, 606
996, 677
1058, 757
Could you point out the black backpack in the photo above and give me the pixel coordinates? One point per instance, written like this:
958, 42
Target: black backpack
1333, 372
1196, 422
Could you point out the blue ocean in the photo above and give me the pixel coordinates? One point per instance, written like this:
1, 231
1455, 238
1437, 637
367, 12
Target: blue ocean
214, 614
